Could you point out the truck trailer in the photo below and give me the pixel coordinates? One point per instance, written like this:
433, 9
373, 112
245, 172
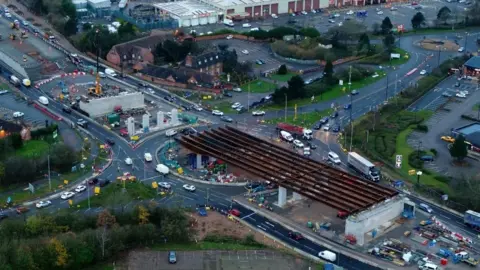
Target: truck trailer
363, 166
296, 131
472, 219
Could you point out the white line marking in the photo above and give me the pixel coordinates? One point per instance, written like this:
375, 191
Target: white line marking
248, 215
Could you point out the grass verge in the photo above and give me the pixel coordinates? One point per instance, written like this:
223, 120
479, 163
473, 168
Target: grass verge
384, 59
259, 86
33, 149
303, 119
282, 78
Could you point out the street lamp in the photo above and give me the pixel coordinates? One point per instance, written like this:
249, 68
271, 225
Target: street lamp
285, 107
419, 173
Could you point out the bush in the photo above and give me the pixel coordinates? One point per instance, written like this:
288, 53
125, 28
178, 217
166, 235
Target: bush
282, 70
422, 128
468, 117
434, 151
414, 159
443, 179
41, 132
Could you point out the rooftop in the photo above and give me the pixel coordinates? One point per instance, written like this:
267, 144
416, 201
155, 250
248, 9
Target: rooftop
473, 62
187, 8
223, 4
469, 129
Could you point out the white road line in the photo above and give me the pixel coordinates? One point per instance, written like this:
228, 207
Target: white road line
444, 216
309, 248
248, 215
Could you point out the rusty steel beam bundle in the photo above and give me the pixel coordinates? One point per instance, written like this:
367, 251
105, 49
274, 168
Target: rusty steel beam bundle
367, 187
239, 159
349, 193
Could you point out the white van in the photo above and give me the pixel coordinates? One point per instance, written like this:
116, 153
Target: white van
428, 266
333, 157
286, 136
328, 255
110, 72
148, 157
246, 25
162, 169
14, 80
43, 100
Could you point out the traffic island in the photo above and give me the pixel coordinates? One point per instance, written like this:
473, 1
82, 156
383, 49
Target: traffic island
439, 44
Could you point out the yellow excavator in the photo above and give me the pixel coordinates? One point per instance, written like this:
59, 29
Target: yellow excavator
13, 25
97, 90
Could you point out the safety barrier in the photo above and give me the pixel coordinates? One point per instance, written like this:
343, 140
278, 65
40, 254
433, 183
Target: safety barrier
47, 112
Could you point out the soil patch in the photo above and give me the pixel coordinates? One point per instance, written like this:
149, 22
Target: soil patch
435, 44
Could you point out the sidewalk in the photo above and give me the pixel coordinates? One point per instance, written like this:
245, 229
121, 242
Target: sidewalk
309, 234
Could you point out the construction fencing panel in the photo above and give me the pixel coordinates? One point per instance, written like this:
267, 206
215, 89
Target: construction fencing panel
158, 23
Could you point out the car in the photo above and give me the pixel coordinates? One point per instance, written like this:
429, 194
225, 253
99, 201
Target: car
226, 119
457, 84
246, 25
298, 143
393, 8
326, 127
336, 128
379, 12
8, 15
3, 216
448, 139
188, 187
172, 257
234, 212
201, 34
236, 105
18, 114
425, 207
334, 115
304, 12
354, 92
331, 21
274, 16
314, 11
324, 120
350, 12
460, 95
461, 49
22, 209
311, 145
66, 109
465, 92
258, 62
229, 36
110, 141
317, 126
245, 51
209, 32
227, 94
42, 204
93, 181
308, 81
426, 158
446, 94
104, 183
292, 14
240, 108
340, 23
258, 113
423, 72
67, 195
80, 188
237, 89
198, 108
171, 133
82, 123
217, 112
295, 235
347, 106
164, 185
336, 15
25, 23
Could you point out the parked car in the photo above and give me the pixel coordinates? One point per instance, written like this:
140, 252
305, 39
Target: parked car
188, 187
217, 112
67, 195
317, 126
172, 257
42, 204
237, 89
324, 120
425, 208
326, 127
80, 188
461, 49
298, 143
236, 105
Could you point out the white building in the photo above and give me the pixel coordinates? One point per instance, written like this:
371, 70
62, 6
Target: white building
189, 13
255, 8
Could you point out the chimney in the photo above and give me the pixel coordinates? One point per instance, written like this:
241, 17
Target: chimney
188, 60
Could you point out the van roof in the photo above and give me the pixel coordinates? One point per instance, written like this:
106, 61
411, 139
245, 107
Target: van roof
428, 264
333, 154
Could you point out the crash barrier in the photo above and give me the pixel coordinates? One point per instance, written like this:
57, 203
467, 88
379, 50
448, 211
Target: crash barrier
47, 112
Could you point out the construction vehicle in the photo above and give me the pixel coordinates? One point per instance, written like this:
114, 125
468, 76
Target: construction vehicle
97, 90
298, 132
13, 37
465, 258
24, 34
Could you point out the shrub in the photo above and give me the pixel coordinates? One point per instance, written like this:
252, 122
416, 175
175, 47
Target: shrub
468, 117
282, 70
443, 179
414, 159
434, 151
422, 128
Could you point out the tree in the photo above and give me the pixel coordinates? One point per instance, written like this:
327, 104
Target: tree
310, 32
458, 150
105, 221
296, 87
126, 30
62, 157
418, 20
143, 215
86, 27
282, 70
61, 252
281, 31
386, 26
364, 43
328, 71
444, 14
16, 141
389, 42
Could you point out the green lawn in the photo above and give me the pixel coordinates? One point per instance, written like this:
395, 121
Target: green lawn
33, 149
383, 59
282, 78
258, 86
204, 245
476, 107
303, 119
224, 106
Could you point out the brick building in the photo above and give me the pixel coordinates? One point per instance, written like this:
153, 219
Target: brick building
210, 63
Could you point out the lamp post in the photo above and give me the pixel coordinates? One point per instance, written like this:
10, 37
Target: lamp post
466, 38
419, 173
438, 59
285, 107
351, 122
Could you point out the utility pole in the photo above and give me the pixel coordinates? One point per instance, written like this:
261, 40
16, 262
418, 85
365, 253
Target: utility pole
350, 81
208, 196
88, 194
97, 44
466, 38
49, 179
386, 90
351, 122
396, 79
248, 98
285, 107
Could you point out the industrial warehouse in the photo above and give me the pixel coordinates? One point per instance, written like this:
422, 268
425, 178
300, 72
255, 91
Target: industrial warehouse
367, 204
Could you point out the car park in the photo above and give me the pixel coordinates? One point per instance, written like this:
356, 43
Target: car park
18, 114
172, 257
298, 143
164, 185
425, 207
42, 204
226, 119
258, 113
188, 187
67, 195
80, 188
217, 112
171, 132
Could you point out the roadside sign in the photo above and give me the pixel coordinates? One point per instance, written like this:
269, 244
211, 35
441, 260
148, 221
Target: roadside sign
97, 190
412, 172
65, 182
31, 188
154, 185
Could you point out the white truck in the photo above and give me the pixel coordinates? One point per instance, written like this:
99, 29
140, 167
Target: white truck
148, 157
228, 22
162, 169
14, 80
328, 255
362, 165
307, 151
286, 136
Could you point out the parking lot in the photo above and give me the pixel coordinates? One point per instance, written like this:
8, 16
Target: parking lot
9, 104
216, 260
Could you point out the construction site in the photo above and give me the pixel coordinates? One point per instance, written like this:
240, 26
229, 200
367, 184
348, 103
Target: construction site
364, 204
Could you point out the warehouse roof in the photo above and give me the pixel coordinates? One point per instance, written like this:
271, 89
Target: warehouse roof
223, 4
473, 62
186, 8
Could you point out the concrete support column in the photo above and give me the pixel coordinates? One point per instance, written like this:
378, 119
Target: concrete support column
296, 196
282, 196
199, 161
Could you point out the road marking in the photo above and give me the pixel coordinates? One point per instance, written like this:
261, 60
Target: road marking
270, 224
248, 215
444, 216
309, 248
223, 204
252, 219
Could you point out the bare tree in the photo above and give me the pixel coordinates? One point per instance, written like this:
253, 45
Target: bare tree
104, 222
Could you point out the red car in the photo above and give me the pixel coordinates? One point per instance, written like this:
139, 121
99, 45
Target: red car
234, 212
342, 214
295, 235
